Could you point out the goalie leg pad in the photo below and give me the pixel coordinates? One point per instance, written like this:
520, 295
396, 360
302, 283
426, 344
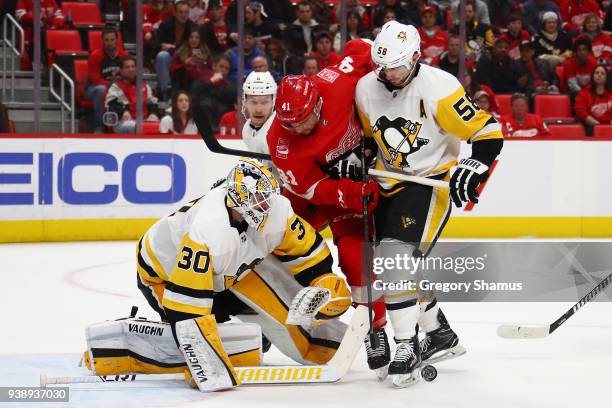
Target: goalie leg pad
208, 363
137, 345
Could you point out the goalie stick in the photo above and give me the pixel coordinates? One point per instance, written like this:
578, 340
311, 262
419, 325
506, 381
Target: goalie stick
331, 372
509, 331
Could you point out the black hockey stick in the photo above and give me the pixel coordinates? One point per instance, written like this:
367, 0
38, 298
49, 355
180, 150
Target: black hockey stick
368, 249
202, 122
510, 331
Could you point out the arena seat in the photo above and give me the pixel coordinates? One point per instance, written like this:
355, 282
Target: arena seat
602, 130
554, 108
573, 131
94, 40
503, 104
83, 14
81, 76
63, 43
150, 128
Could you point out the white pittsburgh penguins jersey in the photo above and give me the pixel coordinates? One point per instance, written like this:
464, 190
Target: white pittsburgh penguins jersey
419, 128
255, 139
197, 250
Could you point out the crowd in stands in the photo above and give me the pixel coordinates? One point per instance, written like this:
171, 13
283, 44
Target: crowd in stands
523, 49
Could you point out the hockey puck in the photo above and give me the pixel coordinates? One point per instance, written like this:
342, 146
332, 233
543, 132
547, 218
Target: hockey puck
429, 373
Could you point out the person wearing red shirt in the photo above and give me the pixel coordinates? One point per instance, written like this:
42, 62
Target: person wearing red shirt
573, 12
593, 105
103, 67
522, 123
215, 31
601, 43
323, 51
153, 14
433, 39
580, 66
228, 126
51, 18
516, 36
313, 141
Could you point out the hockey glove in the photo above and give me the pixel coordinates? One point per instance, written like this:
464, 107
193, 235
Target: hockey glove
470, 173
345, 169
351, 194
327, 297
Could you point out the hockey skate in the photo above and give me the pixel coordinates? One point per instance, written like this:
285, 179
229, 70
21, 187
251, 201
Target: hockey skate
378, 352
440, 344
406, 365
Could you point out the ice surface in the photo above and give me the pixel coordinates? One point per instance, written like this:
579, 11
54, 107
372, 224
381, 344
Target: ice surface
50, 292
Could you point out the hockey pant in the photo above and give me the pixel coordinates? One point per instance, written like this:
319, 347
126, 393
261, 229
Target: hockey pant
409, 221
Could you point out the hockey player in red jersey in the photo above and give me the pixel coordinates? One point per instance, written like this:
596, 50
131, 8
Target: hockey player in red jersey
313, 141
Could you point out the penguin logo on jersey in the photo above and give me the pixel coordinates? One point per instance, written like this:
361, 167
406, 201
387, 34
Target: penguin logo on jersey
399, 138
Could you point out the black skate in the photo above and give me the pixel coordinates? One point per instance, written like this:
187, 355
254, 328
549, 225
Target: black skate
405, 367
440, 344
379, 353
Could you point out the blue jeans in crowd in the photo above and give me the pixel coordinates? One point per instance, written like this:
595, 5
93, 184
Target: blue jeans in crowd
163, 60
95, 93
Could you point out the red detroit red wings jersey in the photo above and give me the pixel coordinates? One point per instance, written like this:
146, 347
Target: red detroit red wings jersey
300, 158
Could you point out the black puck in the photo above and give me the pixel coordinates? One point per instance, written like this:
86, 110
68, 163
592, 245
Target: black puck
429, 373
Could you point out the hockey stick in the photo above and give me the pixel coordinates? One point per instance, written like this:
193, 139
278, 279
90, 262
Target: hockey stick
413, 179
331, 372
368, 253
509, 331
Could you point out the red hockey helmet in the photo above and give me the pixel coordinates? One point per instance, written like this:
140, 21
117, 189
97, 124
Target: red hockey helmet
296, 99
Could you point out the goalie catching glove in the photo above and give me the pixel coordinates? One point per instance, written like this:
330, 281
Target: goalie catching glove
327, 297
470, 173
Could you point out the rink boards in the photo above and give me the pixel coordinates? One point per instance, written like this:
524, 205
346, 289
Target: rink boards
81, 187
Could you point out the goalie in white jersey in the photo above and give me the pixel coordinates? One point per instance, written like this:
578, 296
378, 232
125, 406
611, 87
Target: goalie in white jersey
258, 94
418, 116
239, 247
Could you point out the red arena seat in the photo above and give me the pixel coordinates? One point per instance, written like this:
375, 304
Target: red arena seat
83, 14
63, 42
602, 130
81, 76
503, 104
554, 108
150, 128
573, 131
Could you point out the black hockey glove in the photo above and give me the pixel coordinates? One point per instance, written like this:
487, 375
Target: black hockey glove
345, 169
470, 173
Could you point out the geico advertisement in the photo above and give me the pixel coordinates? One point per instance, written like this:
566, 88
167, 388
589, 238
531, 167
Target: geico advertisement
97, 178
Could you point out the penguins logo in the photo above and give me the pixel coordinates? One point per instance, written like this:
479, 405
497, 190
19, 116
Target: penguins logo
400, 139
402, 36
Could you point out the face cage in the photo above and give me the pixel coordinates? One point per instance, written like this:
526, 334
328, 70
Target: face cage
258, 201
316, 111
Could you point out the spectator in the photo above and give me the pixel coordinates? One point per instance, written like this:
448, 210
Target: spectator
299, 36
322, 13
483, 100
277, 56
260, 64
534, 12
593, 105
449, 60
256, 19
214, 33
516, 36
481, 11
473, 87
311, 66
353, 7
433, 40
280, 12
573, 12
521, 123
500, 11
401, 12
499, 72
197, 11
354, 29
191, 62
216, 95
121, 98
579, 68
552, 44
228, 124
103, 66
541, 77
172, 33
250, 52
51, 16
601, 43
324, 52
479, 36
180, 122
154, 13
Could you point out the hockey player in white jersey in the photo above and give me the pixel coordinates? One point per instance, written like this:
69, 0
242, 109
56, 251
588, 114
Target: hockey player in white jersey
418, 116
258, 94
242, 246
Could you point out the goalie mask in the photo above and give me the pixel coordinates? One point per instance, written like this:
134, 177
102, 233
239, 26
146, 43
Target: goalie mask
251, 190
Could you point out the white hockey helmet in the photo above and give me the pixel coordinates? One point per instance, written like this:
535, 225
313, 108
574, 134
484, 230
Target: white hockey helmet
251, 190
259, 83
396, 45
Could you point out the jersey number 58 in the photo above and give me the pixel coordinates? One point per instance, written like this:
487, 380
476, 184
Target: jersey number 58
465, 108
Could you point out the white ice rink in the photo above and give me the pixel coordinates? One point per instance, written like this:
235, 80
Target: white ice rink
50, 292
